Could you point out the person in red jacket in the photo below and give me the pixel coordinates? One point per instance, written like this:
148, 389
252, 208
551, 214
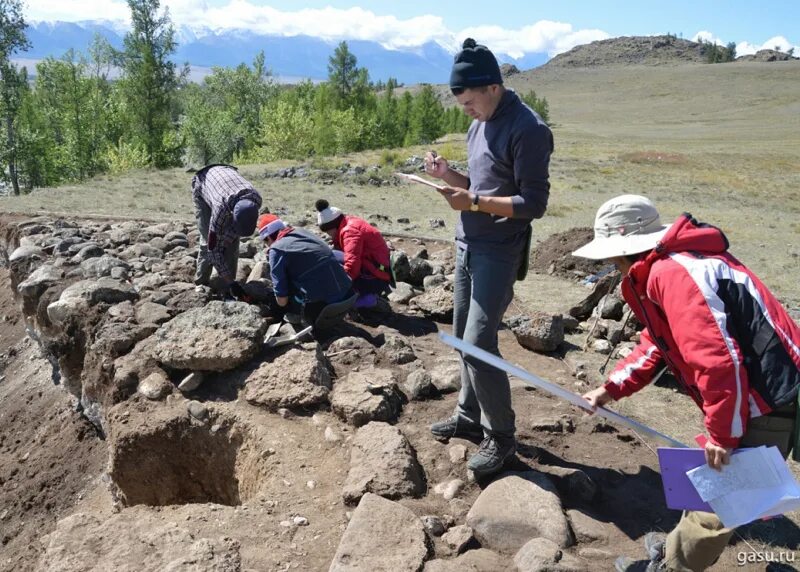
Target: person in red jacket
365, 253
721, 332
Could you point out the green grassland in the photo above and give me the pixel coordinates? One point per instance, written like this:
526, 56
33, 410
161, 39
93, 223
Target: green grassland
719, 141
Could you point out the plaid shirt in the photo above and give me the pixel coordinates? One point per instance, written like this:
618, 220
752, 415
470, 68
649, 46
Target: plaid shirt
220, 187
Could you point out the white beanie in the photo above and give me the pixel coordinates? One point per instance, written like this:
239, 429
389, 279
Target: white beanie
326, 213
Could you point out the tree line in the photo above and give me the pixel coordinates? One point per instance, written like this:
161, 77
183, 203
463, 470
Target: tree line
110, 110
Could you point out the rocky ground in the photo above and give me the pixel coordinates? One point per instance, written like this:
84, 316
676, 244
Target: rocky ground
310, 457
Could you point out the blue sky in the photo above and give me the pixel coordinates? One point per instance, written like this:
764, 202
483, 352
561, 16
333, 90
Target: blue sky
514, 27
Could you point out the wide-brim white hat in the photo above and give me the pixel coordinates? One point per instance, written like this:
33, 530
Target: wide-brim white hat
624, 225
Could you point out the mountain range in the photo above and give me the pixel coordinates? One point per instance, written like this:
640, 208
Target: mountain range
286, 56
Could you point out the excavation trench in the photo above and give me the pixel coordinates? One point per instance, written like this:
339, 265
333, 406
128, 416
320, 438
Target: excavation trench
183, 462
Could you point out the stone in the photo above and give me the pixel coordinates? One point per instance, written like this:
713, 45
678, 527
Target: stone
260, 271
78, 297
296, 379
382, 536
449, 489
516, 507
602, 346
142, 249
435, 304
102, 266
402, 293
155, 386
538, 331
433, 280
480, 560
36, 283
586, 528
458, 538
419, 385
571, 324
433, 525
419, 268
132, 542
217, 337
609, 307
397, 350
457, 454
364, 396
572, 483
401, 266
583, 309
543, 555
197, 410
382, 462
614, 332
152, 313
90, 250
446, 376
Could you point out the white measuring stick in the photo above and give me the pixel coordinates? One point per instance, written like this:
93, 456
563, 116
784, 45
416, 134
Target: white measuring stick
539, 383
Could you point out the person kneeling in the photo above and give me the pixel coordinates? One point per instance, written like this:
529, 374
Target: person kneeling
365, 253
305, 274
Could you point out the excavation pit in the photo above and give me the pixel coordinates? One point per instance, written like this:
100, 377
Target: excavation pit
184, 462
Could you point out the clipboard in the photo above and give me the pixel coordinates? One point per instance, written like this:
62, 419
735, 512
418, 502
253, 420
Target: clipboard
679, 492
420, 180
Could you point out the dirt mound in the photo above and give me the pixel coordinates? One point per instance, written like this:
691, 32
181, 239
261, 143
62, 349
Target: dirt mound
767, 56
631, 50
554, 255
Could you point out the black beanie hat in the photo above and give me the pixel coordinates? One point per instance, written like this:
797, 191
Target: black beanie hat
474, 66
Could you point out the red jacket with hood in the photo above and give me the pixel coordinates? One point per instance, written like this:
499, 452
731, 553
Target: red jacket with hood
723, 334
365, 250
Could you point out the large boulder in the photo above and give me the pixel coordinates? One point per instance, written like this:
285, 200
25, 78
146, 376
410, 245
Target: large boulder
297, 379
382, 536
517, 507
382, 462
217, 337
77, 298
364, 396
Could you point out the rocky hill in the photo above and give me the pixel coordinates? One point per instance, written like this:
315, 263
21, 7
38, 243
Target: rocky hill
767, 56
630, 50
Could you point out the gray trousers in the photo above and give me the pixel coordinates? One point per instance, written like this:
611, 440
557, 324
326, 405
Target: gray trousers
483, 289
202, 274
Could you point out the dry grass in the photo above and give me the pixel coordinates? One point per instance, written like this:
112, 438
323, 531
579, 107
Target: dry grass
719, 141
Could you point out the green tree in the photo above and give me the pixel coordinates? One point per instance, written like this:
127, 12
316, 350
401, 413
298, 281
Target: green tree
149, 79
343, 72
427, 112
13, 81
539, 105
222, 118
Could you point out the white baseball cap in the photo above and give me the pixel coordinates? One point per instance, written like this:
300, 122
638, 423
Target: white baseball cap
627, 224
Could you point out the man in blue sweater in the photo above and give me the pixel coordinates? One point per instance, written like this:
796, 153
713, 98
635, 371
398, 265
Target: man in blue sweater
303, 269
508, 148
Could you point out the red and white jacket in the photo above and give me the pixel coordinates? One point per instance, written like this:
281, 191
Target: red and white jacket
365, 250
723, 334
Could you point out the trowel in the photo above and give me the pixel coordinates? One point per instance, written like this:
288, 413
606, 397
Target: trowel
272, 340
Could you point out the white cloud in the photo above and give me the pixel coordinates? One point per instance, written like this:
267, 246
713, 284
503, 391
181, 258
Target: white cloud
543, 36
746, 49
706, 36
328, 23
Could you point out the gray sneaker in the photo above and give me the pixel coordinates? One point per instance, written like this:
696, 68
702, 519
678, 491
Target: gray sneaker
492, 455
456, 426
